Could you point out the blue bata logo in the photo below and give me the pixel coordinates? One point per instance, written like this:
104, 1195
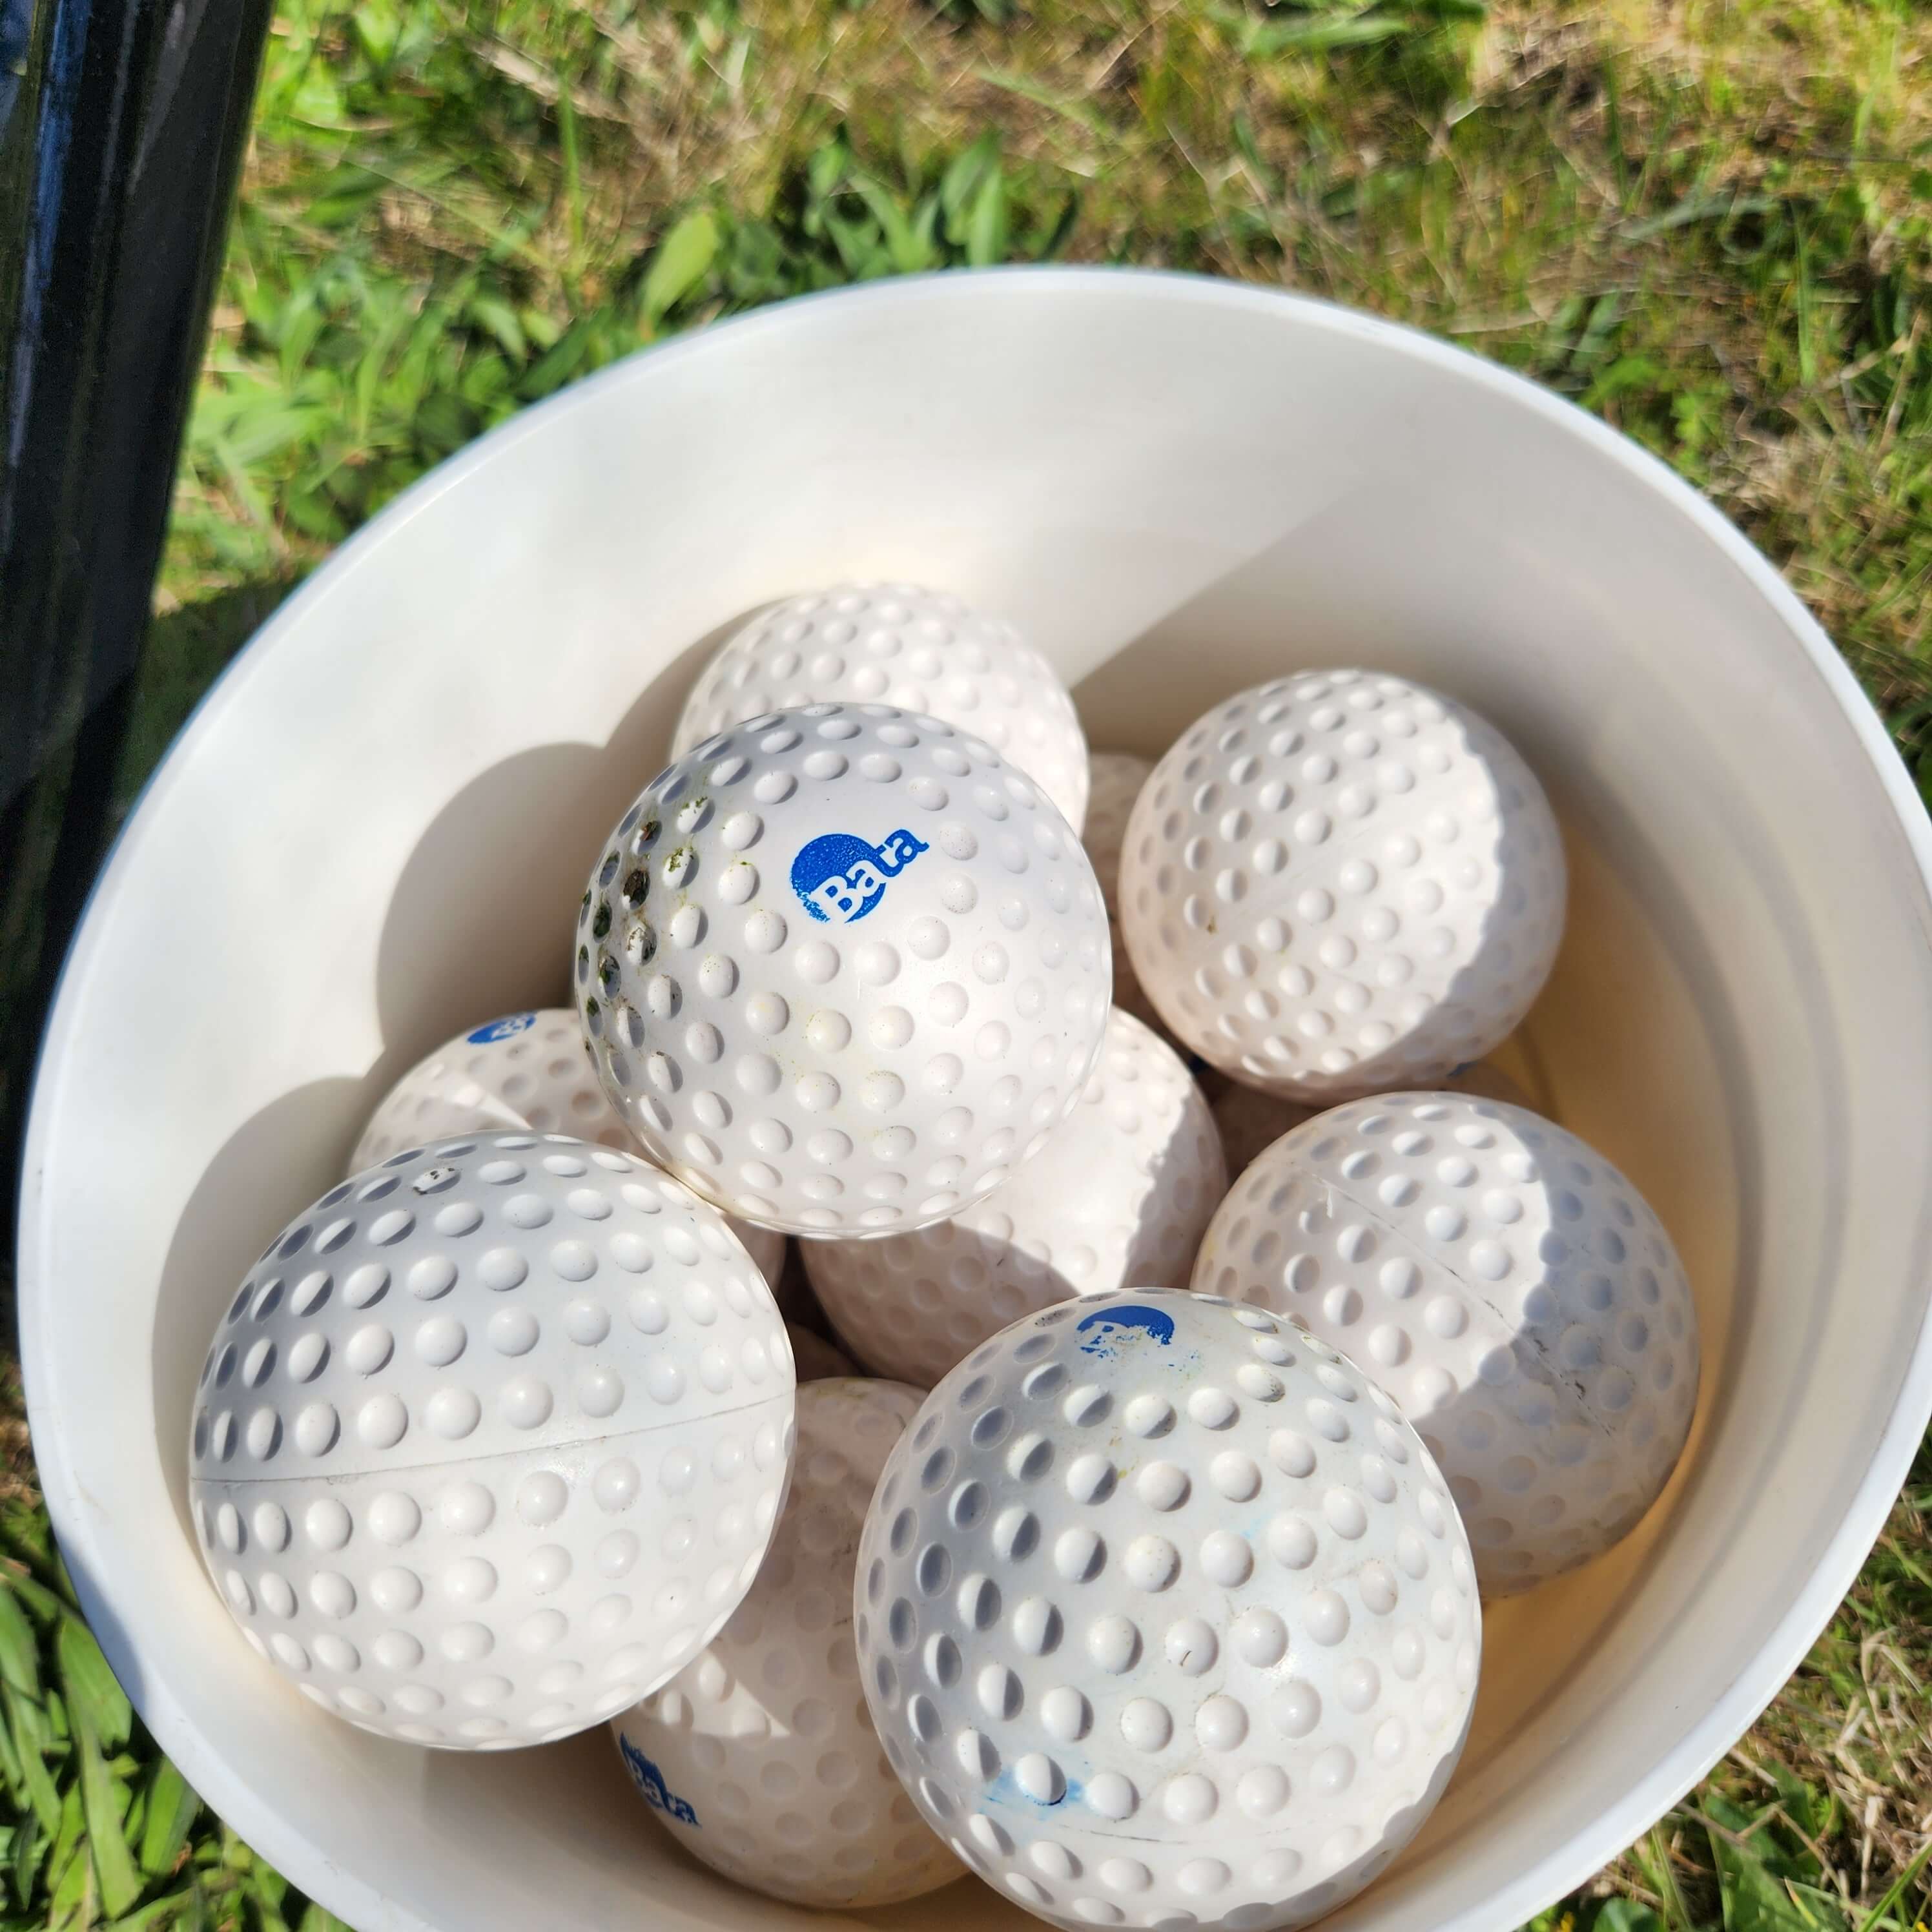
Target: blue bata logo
1109, 1325
839, 876
650, 1783
507, 1028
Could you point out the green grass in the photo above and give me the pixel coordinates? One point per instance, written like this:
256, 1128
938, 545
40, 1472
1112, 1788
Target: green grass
100, 1828
1707, 223
1709, 220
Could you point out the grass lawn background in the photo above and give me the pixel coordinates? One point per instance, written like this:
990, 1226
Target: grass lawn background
1709, 220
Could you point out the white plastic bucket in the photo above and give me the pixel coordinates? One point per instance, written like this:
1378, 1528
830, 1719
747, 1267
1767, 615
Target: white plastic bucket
377, 827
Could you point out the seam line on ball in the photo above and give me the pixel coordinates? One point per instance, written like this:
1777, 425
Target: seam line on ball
563, 1445
1478, 1292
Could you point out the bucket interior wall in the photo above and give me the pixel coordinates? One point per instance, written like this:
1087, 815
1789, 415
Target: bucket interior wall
377, 828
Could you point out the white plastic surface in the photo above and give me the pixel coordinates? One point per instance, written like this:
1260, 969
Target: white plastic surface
1506, 1285
759, 1757
1178, 488
1166, 1618
491, 1440
898, 644
1119, 1197
1339, 883
527, 1070
842, 969
1114, 781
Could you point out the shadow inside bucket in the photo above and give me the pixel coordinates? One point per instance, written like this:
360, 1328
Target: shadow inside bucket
214, 1246
483, 917
480, 923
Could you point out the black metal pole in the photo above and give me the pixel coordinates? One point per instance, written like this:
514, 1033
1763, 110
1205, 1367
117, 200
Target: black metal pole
122, 127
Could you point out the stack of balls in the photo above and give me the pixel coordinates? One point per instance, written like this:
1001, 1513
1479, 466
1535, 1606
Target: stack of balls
1123, 1544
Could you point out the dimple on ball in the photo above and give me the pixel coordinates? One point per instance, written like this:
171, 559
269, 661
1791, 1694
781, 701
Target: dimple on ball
1339, 883
843, 969
1166, 1617
491, 1440
1506, 1285
918, 650
525, 1071
760, 1756
1120, 1194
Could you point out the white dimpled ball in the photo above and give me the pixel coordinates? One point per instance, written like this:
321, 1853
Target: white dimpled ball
920, 650
1116, 778
1166, 1617
492, 1439
1250, 1119
1506, 1285
1119, 1195
1339, 883
843, 969
759, 1756
526, 1072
